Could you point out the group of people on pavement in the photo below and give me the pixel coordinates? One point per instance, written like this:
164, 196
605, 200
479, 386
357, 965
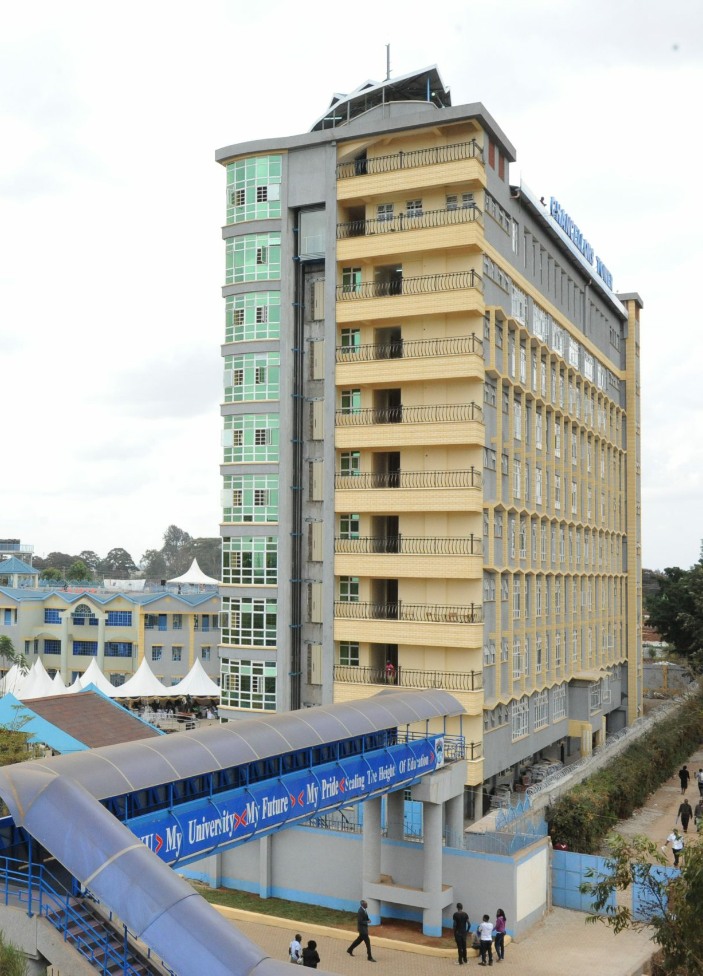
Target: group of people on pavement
686, 813
303, 956
486, 933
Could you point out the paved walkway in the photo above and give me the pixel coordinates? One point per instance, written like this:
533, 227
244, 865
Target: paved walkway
561, 943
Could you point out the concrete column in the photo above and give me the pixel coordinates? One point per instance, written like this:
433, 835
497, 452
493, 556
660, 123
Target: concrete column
371, 855
454, 810
395, 810
432, 867
101, 643
265, 866
65, 617
214, 869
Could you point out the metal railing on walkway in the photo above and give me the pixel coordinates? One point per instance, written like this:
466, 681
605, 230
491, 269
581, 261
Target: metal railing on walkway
470, 545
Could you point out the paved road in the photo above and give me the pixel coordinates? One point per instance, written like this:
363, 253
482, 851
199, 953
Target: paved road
561, 943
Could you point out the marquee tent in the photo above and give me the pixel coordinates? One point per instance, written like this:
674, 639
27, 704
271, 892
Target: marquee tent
196, 684
142, 684
195, 577
94, 676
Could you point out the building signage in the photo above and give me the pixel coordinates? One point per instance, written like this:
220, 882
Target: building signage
562, 218
195, 828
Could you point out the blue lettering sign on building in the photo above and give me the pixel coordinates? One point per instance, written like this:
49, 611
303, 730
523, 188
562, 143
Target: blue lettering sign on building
193, 829
561, 217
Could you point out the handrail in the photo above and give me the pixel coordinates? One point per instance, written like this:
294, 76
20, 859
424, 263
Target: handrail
466, 478
408, 221
418, 285
366, 165
413, 414
471, 613
400, 348
410, 678
471, 545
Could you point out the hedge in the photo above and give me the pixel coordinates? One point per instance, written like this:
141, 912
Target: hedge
584, 816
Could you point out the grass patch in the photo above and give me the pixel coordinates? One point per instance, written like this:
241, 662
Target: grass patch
294, 910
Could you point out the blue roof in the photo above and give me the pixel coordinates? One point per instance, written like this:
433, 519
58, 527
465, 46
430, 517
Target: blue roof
15, 715
24, 594
15, 565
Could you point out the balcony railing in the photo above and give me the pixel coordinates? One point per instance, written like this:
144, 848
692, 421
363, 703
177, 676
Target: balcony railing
407, 678
467, 478
471, 545
420, 285
407, 160
434, 413
415, 612
386, 224
411, 349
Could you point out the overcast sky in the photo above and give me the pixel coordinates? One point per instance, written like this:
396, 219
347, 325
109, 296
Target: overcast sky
111, 205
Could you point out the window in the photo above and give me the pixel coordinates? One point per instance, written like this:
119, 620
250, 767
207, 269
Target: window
349, 653
538, 655
350, 464
413, 208
517, 659
250, 498
350, 401
118, 649
256, 315
516, 479
489, 588
517, 420
52, 646
349, 589
176, 653
119, 618
249, 684
251, 377
205, 652
51, 616
541, 718
253, 257
538, 429
351, 279
595, 696
384, 211
249, 621
351, 340
251, 438
558, 703
177, 622
254, 189
349, 526
250, 561
455, 200
85, 648
520, 711
156, 652
516, 596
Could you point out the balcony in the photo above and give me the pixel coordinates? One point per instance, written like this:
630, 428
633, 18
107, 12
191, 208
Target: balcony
471, 613
407, 678
390, 235
471, 545
420, 285
399, 426
370, 166
438, 413
411, 349
362, 480
412, 221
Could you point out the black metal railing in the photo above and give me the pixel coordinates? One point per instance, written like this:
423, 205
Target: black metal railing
471, 613
408, 221
433, 413
411, 349
471, 545
407, 160
411, 678
474, 750
465, 478
420, 285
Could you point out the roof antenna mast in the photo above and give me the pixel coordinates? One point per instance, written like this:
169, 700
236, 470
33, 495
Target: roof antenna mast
388, 62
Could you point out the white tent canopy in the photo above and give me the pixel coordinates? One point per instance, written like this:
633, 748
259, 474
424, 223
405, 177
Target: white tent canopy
12, 682
142, 684
37, 684
195, 577
196, 684
59, 686
94, 676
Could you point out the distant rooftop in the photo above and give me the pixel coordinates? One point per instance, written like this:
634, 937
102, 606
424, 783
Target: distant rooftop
418, 86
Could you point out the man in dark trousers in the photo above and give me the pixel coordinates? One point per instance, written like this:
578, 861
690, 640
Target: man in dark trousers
685, 812
362, 924
461, 927
684, 777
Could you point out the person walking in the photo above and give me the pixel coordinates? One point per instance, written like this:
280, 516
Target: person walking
676, 841
699, 780
684, 777
499, 926
295, 949
462, 926
311, 957
685, 813
362, 925
485, 935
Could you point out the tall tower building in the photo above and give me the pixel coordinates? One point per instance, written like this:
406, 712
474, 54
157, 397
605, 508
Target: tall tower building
431, 435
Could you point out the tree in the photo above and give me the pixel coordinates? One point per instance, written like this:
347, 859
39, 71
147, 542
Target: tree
118, 564
671, 906
9, 654
51, 574
669, 610
153, 564
208, 552
59, 560
78, 571
177, 550
90, 558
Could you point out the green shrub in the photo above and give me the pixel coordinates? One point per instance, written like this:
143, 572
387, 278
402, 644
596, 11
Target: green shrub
586, 814
13, 962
